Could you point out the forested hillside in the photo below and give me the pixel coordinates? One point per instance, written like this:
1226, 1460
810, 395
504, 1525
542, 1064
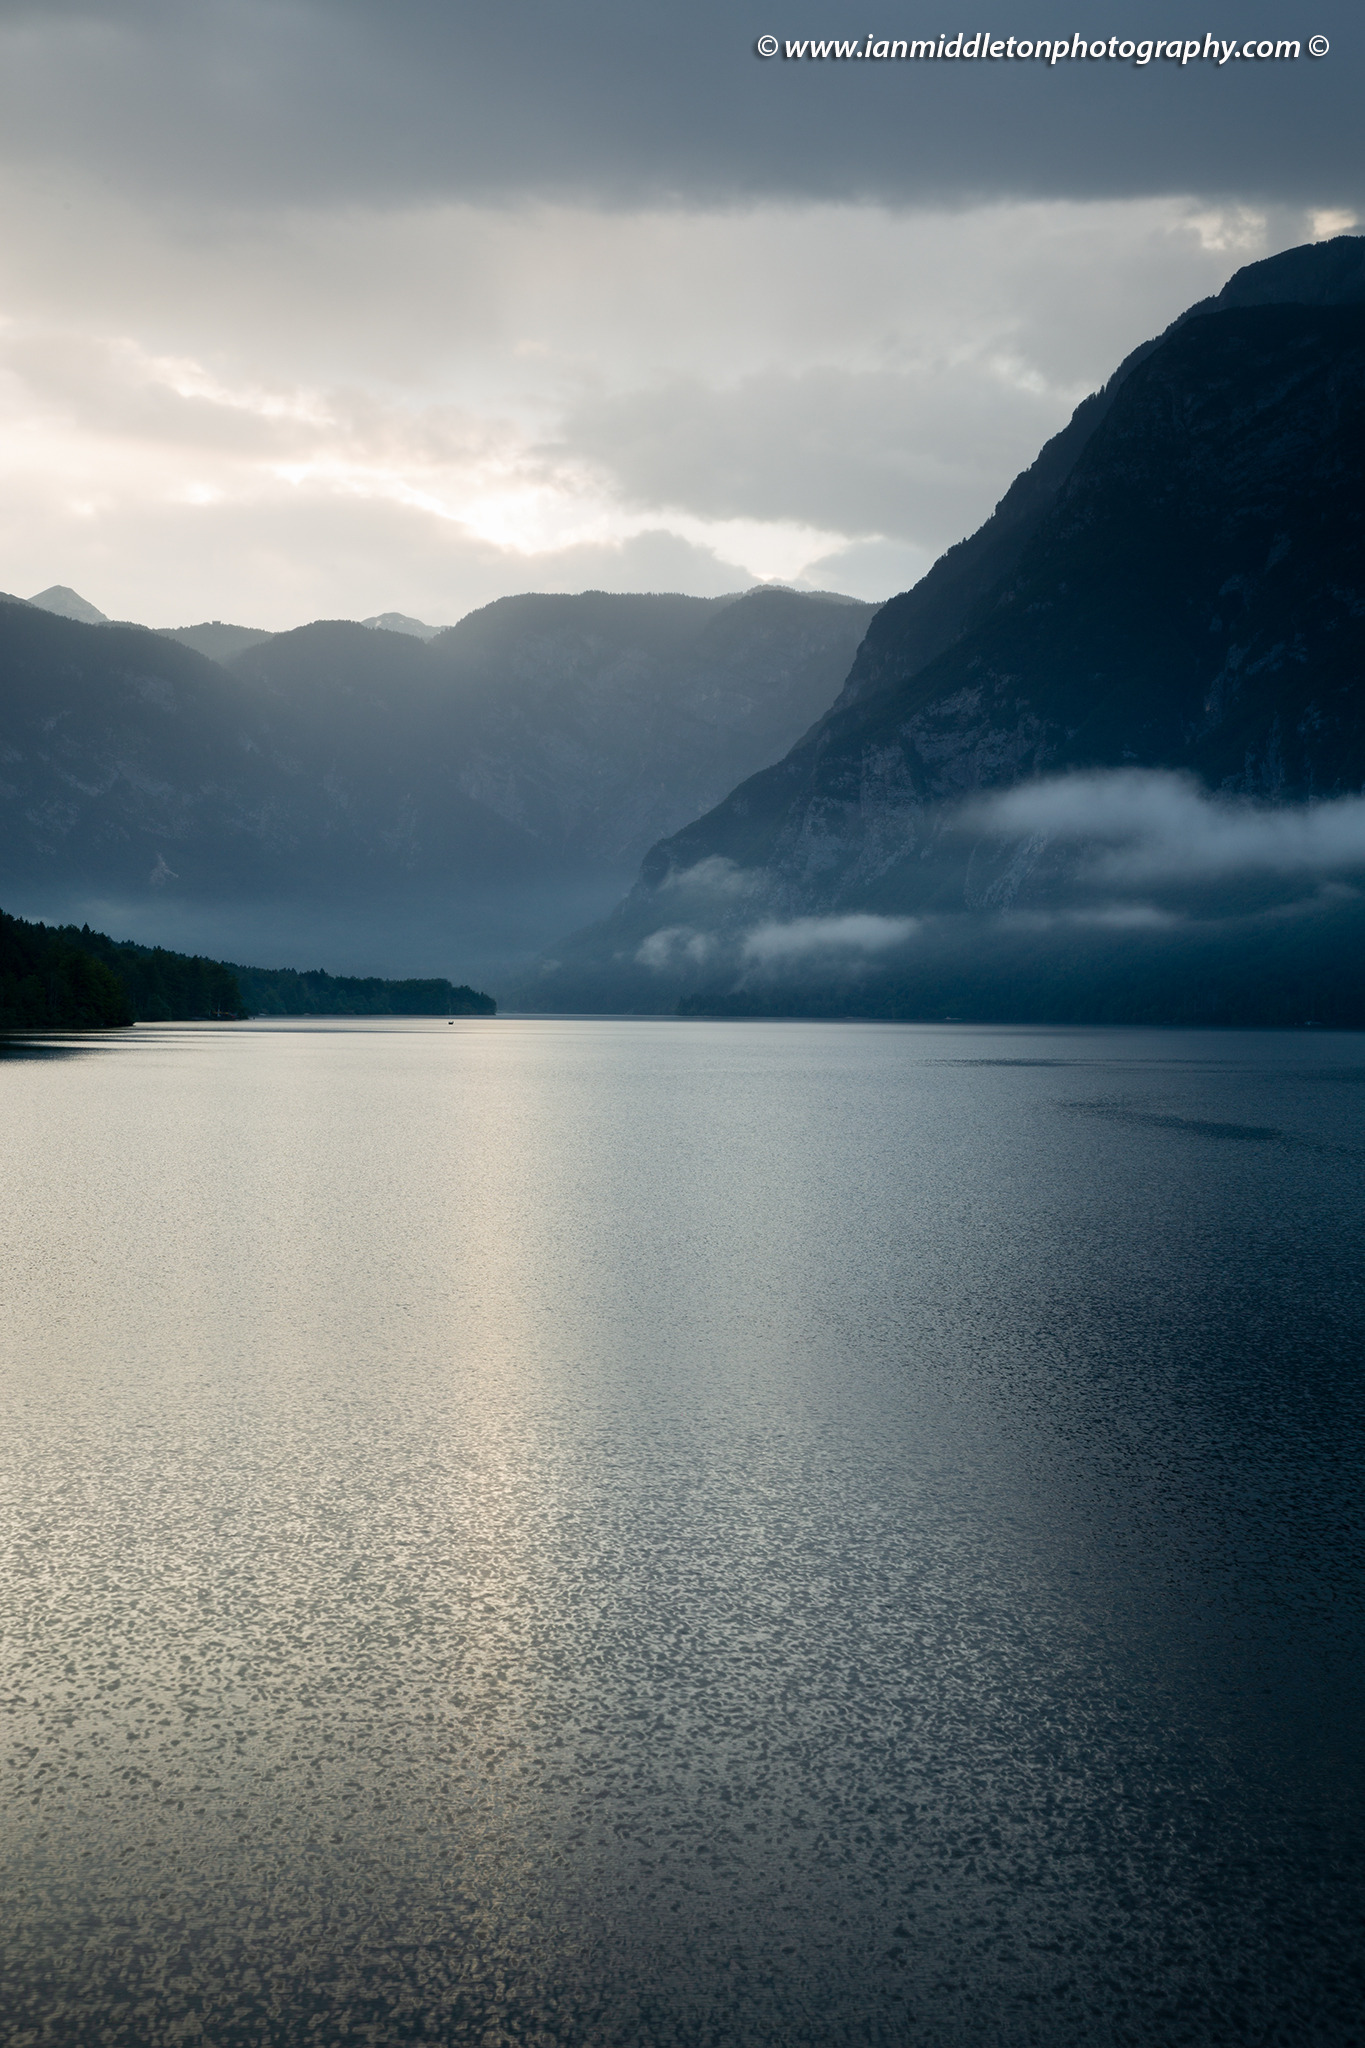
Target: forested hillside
68, 978
282, 992
48, 982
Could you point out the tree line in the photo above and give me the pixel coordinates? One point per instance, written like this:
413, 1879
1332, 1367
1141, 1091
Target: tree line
68, 978
283, 992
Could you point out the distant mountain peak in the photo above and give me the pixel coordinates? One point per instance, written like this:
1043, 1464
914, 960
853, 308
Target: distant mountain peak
68, 604
215, 639
399, 622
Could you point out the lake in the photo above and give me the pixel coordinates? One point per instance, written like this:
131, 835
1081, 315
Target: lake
648, 1532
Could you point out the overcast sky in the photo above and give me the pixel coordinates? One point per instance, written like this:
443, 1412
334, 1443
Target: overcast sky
331, 307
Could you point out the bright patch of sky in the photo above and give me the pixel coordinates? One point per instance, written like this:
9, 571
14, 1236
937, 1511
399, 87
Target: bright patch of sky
334, 367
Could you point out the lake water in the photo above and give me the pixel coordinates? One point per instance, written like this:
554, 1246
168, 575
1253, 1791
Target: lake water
682, 1533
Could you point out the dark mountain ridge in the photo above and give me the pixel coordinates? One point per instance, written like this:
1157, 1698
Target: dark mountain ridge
913, 627
1190, 601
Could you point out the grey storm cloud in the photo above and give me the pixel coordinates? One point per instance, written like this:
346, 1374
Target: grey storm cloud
343, 101
319, 305
1147, 825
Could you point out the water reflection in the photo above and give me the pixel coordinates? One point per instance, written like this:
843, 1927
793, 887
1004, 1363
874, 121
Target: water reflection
683, 1532
57, 1045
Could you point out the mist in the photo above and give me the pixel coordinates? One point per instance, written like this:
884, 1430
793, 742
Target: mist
1123, 895
1136, 825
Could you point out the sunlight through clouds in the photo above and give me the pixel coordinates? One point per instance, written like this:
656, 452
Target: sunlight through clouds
817, 394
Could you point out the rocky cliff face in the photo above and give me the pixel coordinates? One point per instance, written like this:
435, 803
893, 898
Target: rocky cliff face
1190, 600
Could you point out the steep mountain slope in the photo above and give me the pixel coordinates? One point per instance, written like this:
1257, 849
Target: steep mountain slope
588, 720
120, 748
391, 803
1193, 600
583, 725
920, 623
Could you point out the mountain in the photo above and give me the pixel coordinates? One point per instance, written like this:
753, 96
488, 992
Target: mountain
586, 719
219, 642
68, 604
215, 640
1081, 786
920, 623
389, 802
399, 622
212, 639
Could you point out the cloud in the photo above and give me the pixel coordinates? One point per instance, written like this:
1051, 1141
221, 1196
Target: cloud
804, 937
340, 101
864, 452
715, 876
454, 402
832, 941
564, 282
283, 554
1123, 917
867, 568
1140, 826
674, 946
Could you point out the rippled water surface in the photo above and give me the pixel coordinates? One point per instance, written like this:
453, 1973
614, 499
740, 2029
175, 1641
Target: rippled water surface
686, 1533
